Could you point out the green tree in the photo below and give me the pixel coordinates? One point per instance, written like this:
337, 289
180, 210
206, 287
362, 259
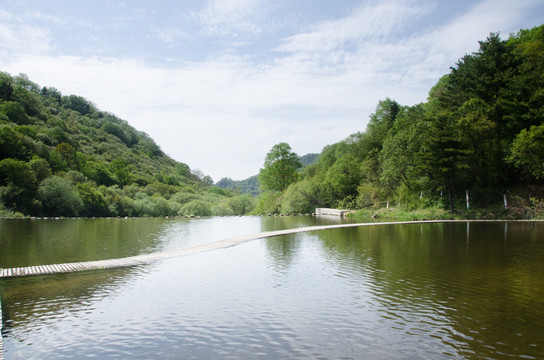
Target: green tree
241, 204
15, 112
59, 197
78, 103
441, 158
381, 121
399, 156
281, 167
67, 153
197, 208
94, 202
30, 100
527, 152
16, 172
301, 197
18, 184
268, 203
118, 168
11, 144
41, 168
6, 86
343, 177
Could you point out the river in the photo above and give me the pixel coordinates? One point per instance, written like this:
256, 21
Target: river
442, 291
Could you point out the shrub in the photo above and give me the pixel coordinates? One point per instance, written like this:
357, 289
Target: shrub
222, 209
197, 208
59, 197
300, 197
184, 198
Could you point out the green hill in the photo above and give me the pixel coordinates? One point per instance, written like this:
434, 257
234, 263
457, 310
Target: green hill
481, 132
61, 156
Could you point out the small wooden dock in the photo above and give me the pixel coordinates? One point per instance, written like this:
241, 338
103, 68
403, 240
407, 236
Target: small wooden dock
332, 212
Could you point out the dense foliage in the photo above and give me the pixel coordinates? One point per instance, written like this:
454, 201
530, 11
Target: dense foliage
60, 156
481, 130
280, 169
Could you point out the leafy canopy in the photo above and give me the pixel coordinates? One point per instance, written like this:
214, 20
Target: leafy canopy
281, 167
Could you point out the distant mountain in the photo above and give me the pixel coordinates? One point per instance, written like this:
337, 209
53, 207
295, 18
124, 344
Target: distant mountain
247, 186
308, 159
251, 184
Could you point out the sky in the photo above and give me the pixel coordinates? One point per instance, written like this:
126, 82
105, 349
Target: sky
217, 83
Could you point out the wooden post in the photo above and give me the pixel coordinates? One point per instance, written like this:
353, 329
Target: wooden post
387, 206
468, 202
505, 202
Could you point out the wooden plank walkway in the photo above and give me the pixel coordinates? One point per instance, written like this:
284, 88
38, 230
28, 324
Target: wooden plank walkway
222, 244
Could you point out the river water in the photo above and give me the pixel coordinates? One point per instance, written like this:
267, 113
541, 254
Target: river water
440, 291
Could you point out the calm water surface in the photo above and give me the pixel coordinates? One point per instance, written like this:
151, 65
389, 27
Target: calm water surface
413, 291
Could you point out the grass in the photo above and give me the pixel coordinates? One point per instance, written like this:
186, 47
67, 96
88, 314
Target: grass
436, 213
399, 214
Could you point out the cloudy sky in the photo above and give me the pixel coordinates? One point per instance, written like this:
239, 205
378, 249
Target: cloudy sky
217, 83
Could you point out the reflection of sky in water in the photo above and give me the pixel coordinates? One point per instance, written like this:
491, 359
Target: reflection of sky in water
382, 292
39, 242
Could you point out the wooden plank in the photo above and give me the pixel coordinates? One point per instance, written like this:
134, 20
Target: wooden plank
69, 267
62, 268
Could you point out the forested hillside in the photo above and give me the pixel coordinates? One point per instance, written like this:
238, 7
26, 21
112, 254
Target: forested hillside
60, 156
481, 130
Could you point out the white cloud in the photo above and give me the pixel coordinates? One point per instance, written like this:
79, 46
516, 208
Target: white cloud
431, 53
171, 35
231, 17
367, 23
224, 114
23, 39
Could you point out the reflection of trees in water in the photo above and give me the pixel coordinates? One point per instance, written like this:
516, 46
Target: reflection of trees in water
271, 223
282, 250
26, 299
39, 242
482, 284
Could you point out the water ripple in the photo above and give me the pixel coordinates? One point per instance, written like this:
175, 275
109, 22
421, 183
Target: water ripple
350, 294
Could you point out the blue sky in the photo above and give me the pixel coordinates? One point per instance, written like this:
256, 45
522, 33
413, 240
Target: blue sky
217, 83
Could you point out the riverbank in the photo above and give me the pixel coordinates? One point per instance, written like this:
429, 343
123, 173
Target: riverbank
519, 207
533, 212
